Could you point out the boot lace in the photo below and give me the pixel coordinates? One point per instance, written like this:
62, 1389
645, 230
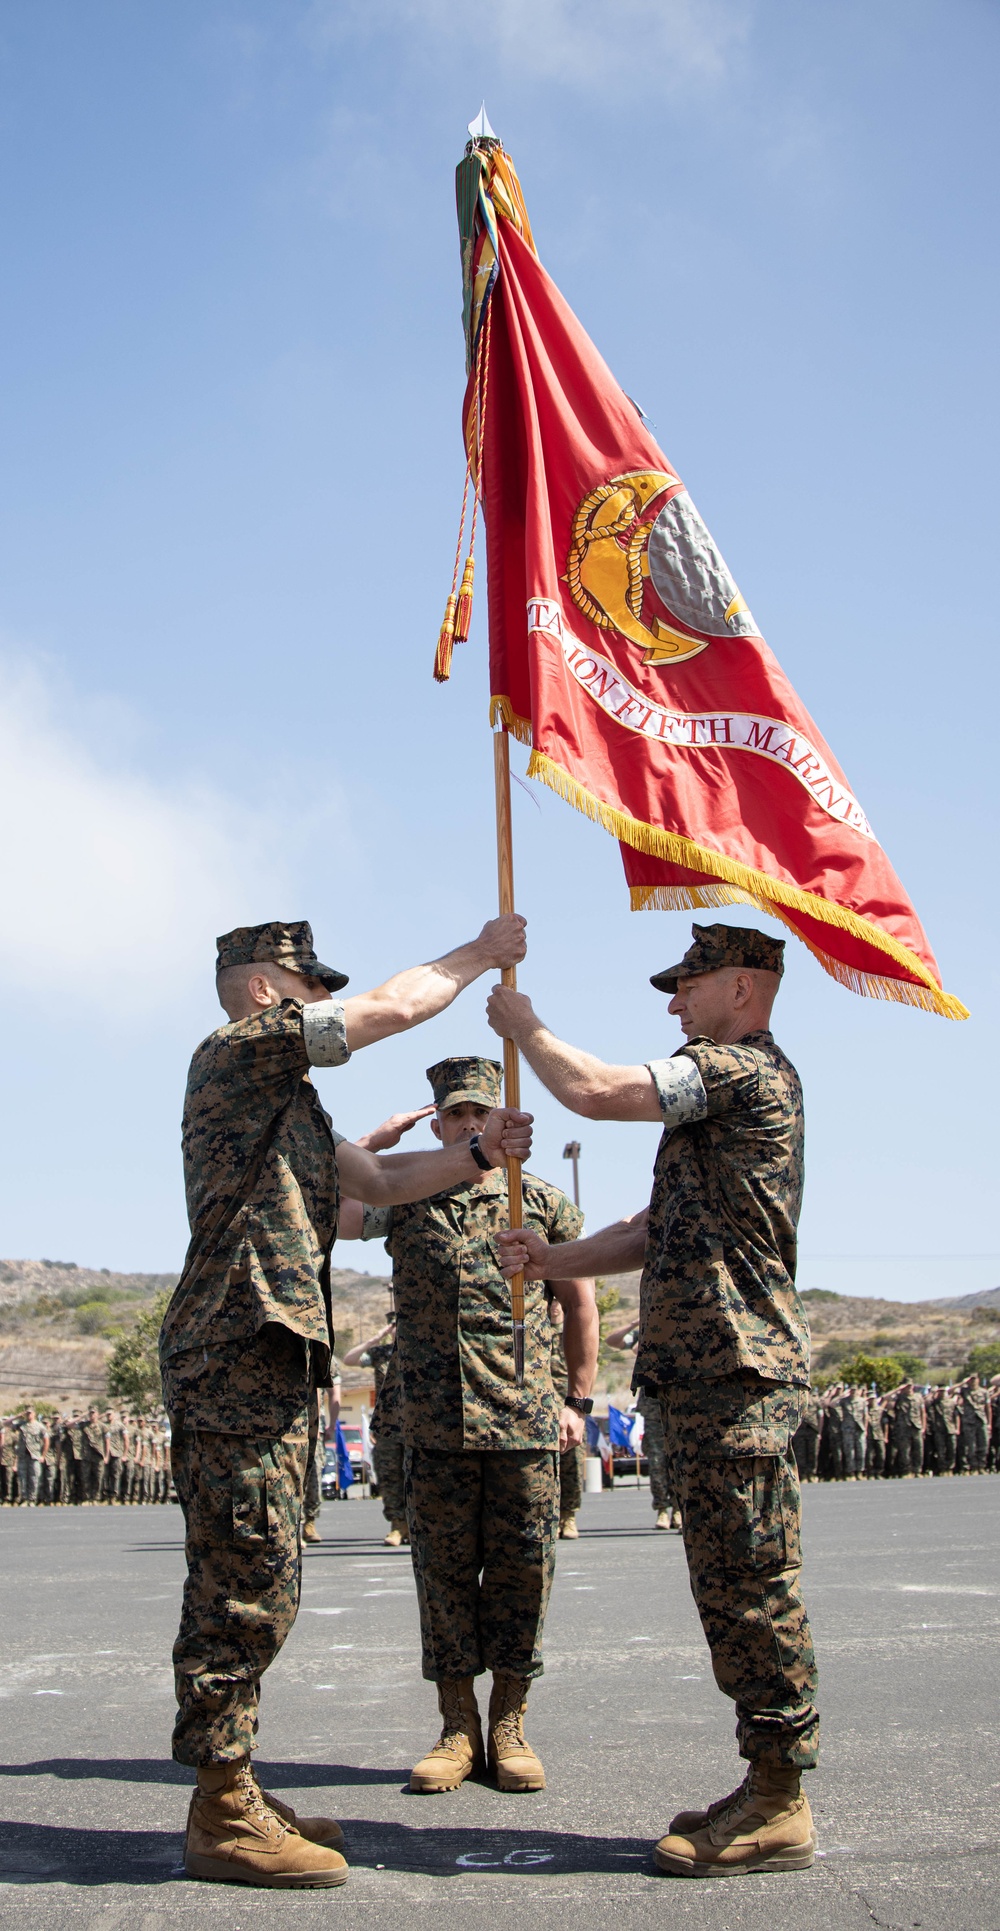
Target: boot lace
253, 1798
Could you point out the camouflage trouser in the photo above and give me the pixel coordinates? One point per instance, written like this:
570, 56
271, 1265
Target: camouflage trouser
29, 1478
806, 1448
387, 1460
483, 1541
242, 1502
853, 1438
570, 1481
875, 1457
975, 1443
313, 1499
654, 1449
730, 1454
8, 1482
92, 1469
908, 1448
114, 1474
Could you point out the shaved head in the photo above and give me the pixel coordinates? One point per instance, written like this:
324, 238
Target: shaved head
246, 989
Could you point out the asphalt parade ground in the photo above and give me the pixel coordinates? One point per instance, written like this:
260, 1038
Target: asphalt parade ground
903, 1584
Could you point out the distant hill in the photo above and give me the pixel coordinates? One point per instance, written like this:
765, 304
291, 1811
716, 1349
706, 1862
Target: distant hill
986, 1297
65, 1281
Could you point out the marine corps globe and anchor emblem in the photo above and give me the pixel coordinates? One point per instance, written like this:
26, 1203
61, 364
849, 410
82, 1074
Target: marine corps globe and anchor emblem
642, 562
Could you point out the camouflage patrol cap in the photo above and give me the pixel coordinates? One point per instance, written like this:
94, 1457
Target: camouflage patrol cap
289, 945
465, 1081
716, 946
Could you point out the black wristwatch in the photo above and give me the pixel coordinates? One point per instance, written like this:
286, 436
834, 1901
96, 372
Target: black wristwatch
581, 1404
478, 1155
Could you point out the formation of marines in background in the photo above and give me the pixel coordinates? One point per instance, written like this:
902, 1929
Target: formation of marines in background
846, 1434
851, 1434
80, 1460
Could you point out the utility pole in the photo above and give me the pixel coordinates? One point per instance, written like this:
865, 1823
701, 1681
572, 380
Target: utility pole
571, 1151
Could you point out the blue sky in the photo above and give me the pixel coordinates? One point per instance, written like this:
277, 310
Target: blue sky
230, 486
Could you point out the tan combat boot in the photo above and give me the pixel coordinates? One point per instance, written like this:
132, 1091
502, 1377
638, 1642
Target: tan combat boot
509, 1756
310, 1532
766, 1825
458, 1752
662, 1519
234, 1837
568, 1529
318, 1830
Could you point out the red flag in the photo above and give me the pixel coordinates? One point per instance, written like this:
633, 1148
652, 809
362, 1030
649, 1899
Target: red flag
622, 650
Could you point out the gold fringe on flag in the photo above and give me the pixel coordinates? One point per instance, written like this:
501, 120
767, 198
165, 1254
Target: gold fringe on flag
740, 885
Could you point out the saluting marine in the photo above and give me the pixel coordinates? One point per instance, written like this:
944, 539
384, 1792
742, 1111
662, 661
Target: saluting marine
481, 1478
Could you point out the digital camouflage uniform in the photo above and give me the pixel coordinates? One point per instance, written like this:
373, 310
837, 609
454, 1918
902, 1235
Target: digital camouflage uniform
8, 1462
974, 1428
49, 1492
480, 1453
875, 1453
853, 1408
654, 1447
30, 1449
245, 1340
92, 1442
116, 1467
387, 1436
571, 1460
907, 1432
805, 1444
725, 1344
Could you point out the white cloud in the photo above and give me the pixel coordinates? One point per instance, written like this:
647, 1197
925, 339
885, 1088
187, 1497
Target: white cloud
113, 886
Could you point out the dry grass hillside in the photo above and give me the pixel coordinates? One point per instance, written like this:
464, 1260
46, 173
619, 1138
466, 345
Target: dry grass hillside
58, 1323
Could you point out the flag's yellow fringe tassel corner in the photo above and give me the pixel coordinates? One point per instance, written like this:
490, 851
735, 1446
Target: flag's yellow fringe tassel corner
740, 885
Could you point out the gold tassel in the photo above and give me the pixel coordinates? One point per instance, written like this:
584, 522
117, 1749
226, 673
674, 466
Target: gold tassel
464, 616
446, 639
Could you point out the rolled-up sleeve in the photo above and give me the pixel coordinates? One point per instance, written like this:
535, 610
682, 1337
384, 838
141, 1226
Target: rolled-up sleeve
680, 1090
324, 1030
376, 1223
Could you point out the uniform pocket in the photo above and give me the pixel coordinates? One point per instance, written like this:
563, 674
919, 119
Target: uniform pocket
759, 1515
249, 1499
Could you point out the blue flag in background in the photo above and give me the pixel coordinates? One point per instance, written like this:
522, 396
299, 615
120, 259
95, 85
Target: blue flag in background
345, 1473
620, 1427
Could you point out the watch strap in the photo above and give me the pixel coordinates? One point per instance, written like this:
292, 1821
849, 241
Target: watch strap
479, 1156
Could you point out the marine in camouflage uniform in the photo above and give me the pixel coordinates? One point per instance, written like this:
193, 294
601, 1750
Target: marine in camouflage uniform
8, 1460
387, 1435
875, 1456
805, 1442
481, 1453
974, 1409
246, 1341
667, 1514
853, 1409
725, 1345
32, 1441
94, 1443
907, 1429
49, 1493
571, 1460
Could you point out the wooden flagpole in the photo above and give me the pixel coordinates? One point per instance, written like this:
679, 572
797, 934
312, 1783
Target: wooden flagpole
511, 1057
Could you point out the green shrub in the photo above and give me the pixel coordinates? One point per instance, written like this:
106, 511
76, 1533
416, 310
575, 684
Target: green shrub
819, 1294
134, 1368
885, 1370
983, 1360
